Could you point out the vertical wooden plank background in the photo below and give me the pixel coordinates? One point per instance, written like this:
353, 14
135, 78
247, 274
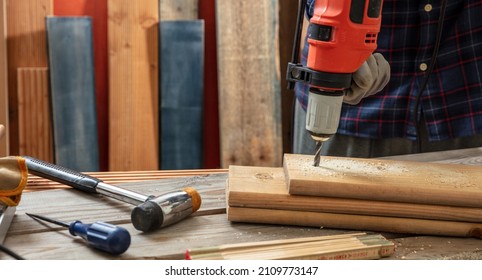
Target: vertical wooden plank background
35, 133
133, 84
4, 141
178, 9
211, 142
97, 10
71, 64
249, 82
26, 47
181, 106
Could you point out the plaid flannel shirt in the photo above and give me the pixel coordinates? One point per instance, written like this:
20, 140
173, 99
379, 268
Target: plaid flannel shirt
451, 104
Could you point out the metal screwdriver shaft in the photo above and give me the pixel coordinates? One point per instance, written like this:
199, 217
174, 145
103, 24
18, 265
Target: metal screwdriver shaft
59, 223
316, 161
103, 236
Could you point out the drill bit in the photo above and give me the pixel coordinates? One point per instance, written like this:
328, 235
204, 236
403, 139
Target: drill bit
316, 162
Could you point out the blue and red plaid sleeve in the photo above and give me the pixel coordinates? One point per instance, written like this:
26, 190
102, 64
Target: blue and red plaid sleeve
451, 104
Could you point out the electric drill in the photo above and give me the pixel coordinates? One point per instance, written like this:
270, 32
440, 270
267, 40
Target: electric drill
342, 34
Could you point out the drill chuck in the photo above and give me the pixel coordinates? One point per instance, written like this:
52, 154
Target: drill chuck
323, 113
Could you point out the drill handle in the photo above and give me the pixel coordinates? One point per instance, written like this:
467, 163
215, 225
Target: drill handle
295, 52
62, 175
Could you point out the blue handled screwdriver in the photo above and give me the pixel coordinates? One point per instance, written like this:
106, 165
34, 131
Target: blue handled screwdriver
103, 236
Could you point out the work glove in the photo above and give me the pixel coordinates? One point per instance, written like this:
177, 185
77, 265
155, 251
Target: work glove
13, 179
369, 79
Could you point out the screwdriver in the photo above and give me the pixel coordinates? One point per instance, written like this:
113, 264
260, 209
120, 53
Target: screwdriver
103, 236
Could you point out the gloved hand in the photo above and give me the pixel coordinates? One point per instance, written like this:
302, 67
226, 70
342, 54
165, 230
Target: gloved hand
369, 79
13, 179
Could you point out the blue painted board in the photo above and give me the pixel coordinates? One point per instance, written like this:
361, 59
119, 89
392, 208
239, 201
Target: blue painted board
181, 94
71, 63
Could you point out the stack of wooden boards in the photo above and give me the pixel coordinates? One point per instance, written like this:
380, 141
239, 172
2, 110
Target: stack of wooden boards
332, 247
360, 194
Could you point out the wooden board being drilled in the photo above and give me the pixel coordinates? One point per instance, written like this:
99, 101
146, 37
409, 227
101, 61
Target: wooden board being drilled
385, 180
266, 188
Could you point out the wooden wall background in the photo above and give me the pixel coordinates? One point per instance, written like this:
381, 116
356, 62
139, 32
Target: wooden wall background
25, 47
97, 10
4, 141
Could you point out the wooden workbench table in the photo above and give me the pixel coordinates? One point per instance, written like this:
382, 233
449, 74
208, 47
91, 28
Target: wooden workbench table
209, 226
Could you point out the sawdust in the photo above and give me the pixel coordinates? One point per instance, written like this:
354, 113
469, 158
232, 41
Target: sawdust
343, 168
347, 167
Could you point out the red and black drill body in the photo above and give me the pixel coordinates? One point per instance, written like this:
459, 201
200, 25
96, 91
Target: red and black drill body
342, 34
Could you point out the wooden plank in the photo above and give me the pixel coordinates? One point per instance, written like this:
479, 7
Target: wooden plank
249, 82
133, 85
344, 246
72, 83
265, 187
211, 141
34, 113
97, 10
36, 183
26, 47
376, 179
4, 141
181, 105
354, 222
170, 243
178, 9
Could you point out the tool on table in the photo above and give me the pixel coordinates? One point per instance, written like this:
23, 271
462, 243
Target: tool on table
150, 212
103, 236
13, 179
342, 34
6, 217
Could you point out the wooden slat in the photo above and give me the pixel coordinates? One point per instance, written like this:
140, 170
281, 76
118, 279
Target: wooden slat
354, 222
384, 180
97, 9
249, 82
71, 63
4, 141
26, 47
178, 9
258, 187
343, 246
34, 113
133, 85
36, 183
181, 105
